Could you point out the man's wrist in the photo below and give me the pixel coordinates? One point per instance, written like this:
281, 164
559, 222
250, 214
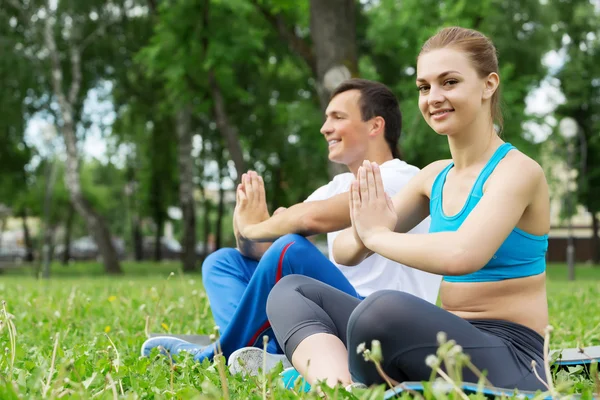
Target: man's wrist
248, 231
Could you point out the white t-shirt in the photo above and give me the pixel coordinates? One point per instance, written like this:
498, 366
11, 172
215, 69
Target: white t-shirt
376, 272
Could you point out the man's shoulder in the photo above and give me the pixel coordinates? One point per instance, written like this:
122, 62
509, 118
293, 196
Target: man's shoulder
338, 184
342, 178
398, 171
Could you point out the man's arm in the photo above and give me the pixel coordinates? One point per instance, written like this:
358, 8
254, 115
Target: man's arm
306, 219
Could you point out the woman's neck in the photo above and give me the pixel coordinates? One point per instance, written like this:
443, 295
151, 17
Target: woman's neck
475, 143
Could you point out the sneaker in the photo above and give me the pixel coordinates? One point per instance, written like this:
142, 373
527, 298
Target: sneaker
248, 361
355, 385
291, 377
170, 346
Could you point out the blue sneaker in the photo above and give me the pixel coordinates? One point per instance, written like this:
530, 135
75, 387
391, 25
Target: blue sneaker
290, 376
170, 346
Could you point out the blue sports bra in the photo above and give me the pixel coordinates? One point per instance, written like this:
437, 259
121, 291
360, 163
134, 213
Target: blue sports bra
521, 254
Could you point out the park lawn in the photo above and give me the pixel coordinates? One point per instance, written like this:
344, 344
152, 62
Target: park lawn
98, 324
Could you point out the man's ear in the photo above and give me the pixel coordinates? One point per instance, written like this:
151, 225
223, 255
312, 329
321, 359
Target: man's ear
377, 126
491, 85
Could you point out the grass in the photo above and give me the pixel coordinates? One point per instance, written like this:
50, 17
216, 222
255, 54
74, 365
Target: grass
78, 335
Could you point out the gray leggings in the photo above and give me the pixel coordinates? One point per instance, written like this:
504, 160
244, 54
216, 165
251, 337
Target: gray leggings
407, 328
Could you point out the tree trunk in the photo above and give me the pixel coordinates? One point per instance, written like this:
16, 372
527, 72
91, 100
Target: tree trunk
95, 223
203, 200
228, 132
136, 231
207, 210
68, 234
48, 250
186, 187
47, 231
333, 33
595, 239
27, 237
2, 227
2, 222
159, 221
221, 206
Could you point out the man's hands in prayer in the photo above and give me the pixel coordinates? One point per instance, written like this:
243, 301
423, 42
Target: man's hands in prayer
251, 204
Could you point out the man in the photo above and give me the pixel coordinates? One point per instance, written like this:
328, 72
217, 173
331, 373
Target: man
363, 122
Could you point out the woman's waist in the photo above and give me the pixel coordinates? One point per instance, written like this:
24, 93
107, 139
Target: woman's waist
522, 300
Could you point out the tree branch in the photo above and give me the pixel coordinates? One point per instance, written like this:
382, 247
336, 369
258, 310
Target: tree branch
76, 71
152, 6
297, 44
56, 75
21, 10
85, 42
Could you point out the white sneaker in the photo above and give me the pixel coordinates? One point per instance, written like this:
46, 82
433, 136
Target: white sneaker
355, 385
248, 361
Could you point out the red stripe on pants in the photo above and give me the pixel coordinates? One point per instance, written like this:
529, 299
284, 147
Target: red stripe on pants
278, 276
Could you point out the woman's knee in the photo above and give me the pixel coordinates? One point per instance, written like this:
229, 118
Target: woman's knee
380, 316
279, 296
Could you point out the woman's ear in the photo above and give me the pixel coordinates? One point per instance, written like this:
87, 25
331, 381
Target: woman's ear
491, 85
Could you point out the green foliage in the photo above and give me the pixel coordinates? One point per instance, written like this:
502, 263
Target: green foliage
519, 29
267, 90
579, 33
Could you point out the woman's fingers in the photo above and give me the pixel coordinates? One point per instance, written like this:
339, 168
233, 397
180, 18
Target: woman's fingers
372, 189
378, 179
363, 185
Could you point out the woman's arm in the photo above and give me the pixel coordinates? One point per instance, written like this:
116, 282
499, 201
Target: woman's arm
509, 192
410, 205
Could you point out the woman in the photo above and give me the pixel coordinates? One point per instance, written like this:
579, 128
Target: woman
489, 208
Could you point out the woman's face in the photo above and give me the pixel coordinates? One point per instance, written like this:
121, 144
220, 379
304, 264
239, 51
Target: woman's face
451, 93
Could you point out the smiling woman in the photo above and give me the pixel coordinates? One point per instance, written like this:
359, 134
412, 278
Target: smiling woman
489, 209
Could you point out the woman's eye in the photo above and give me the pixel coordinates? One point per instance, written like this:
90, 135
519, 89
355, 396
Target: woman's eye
423, 88
451, 82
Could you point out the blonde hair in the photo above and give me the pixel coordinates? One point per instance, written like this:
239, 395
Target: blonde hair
481, 51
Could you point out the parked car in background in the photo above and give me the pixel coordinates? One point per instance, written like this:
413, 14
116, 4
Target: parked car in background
12, 254
85, 248
170, 248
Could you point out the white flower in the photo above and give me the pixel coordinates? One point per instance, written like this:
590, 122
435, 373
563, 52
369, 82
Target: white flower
360, 348
442, 337
431, 361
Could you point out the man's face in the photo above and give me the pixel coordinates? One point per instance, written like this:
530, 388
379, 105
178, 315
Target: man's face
345, 131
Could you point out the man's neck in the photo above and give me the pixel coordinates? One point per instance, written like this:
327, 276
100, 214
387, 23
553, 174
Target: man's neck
376, 157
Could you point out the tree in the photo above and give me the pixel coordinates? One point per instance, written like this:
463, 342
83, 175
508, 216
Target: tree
15, 153
579, 35
59, 40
